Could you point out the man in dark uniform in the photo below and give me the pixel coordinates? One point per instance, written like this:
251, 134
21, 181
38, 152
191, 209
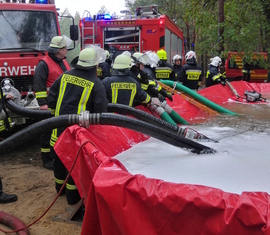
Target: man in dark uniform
104, 68
213, 75
164, 69
177, 67
192, 72
75, 91
47, 71
121, 88
246, 69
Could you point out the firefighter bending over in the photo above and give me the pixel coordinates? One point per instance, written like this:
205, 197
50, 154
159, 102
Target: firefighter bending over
75, 91
213, 75
192, 72
46, 72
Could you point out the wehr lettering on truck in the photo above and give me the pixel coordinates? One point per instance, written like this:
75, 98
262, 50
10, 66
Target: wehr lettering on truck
17, 71
26, 32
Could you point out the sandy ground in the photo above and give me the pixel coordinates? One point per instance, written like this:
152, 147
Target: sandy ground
22, 173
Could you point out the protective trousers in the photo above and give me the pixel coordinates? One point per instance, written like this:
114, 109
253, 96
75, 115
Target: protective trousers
45, 147
60, 174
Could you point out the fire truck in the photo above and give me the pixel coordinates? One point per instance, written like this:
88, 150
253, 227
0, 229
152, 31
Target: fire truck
25, 33
234, 67
147, 30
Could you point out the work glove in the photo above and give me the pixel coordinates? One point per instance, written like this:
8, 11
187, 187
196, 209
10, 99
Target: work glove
165, 94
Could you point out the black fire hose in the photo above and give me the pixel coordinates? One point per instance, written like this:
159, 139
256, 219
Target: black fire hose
36, 114
149, 118
85, 119
144, 116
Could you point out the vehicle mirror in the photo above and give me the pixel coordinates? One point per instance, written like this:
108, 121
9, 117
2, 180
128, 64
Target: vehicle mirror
74, 32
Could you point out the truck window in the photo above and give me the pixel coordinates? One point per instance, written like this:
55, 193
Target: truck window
27, 29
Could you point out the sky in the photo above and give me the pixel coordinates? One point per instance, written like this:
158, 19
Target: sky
92, 6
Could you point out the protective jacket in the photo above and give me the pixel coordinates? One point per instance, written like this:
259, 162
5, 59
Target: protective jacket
74, 92
165, 71
46, 72
178, 70
192, 75
103, 70
246, 70
213, 76
121, 88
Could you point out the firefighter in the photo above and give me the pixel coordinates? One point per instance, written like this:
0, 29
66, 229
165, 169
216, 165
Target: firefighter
77, 90
177, 67
121, 88
46, 72
192, 72
213, 75
104, 68
246, 69
148, 82
164, 69
6, 198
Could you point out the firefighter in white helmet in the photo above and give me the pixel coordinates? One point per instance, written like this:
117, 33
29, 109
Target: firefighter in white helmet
104, 68
192, 72
47, 71
213, 75
77, 90
177, 67
121, 88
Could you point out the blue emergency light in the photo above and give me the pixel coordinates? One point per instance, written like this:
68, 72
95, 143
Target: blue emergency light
104, 17
42, 1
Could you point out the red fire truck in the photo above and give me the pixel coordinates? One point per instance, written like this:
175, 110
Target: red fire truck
234, 66
25, 33
144, 31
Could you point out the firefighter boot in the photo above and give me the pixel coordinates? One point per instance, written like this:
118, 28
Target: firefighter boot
7, 198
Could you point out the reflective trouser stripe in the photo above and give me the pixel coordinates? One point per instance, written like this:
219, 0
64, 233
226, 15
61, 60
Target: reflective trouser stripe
58, 181
45, 150
71, 187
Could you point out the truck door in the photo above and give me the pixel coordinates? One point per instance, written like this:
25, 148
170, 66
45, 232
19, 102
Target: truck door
119, 39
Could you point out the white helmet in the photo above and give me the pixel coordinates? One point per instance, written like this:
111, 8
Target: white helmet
122, 62
154, 59
176, 57
60, 42
91, 56
190, 55
216, 61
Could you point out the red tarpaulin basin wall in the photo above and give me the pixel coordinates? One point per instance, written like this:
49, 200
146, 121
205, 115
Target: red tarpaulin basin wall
118, 202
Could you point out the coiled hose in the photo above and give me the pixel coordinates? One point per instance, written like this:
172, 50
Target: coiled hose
29, 132
13, 223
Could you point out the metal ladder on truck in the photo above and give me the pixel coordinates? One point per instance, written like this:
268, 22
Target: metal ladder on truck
87, 15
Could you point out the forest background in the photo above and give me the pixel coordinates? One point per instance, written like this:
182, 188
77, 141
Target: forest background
211, 27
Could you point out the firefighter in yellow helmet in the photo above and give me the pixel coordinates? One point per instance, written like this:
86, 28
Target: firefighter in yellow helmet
164, 69
121, 88
77, 90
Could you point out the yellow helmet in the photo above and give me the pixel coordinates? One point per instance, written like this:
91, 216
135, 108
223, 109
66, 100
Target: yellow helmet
162, 54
